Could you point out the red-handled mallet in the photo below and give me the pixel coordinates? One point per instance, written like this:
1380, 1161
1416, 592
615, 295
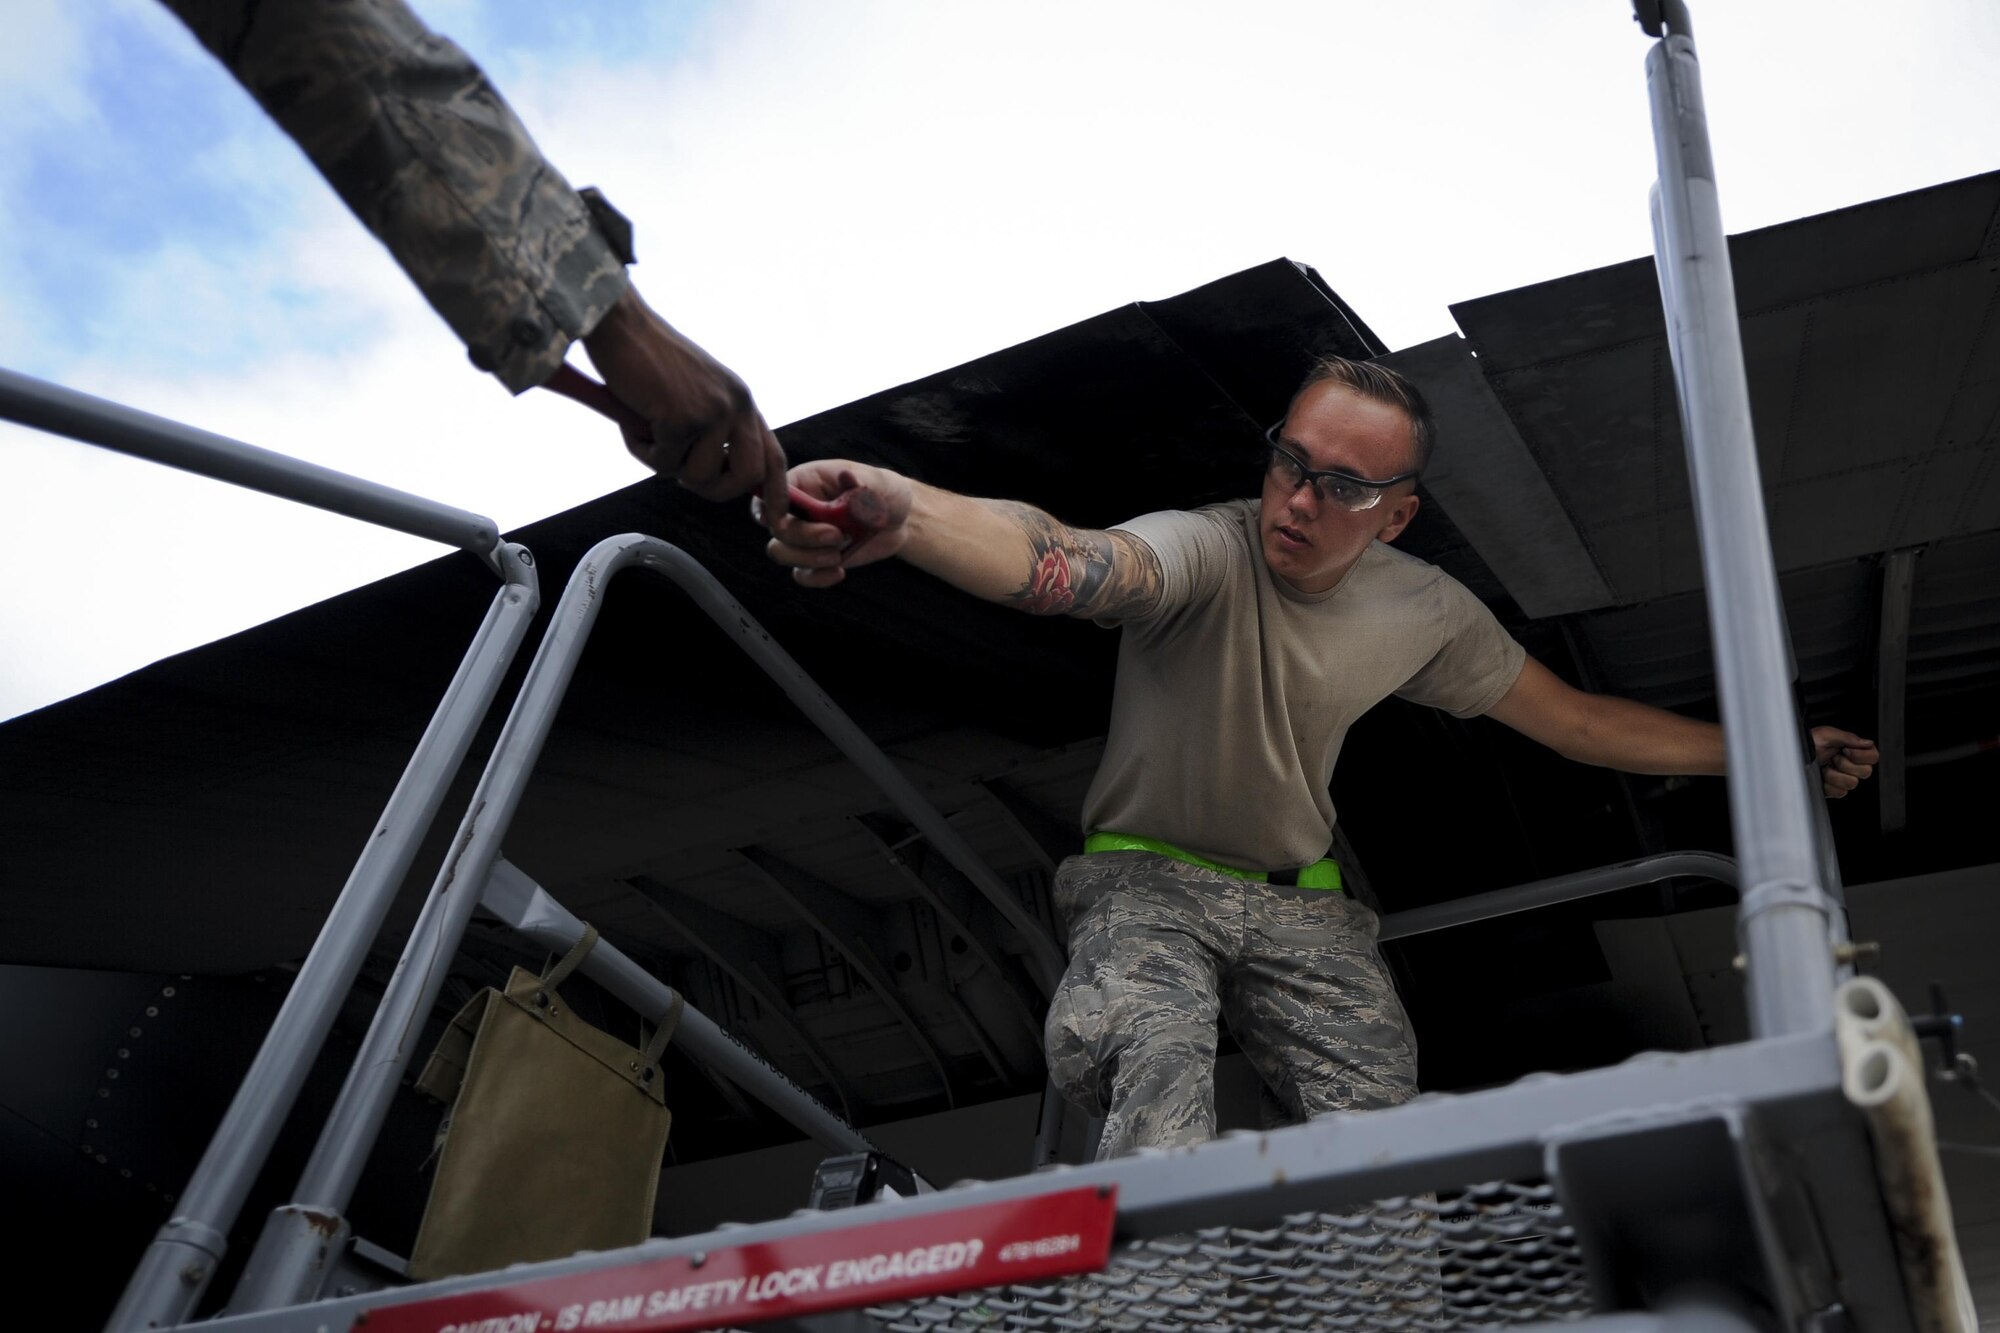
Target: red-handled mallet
859, 513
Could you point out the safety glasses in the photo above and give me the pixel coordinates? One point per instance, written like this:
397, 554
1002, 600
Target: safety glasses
1350, 492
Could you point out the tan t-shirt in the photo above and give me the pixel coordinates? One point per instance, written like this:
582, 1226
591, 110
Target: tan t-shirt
1234, 696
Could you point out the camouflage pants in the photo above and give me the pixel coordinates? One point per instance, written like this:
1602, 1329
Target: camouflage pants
1160, 949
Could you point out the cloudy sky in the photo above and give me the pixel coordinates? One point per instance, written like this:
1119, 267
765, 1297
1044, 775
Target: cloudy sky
834, 196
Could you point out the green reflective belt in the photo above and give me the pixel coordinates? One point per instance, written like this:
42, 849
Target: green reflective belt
1324, 874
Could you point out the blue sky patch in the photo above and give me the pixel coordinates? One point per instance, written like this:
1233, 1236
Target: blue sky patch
502, 35
98, 200
176, 166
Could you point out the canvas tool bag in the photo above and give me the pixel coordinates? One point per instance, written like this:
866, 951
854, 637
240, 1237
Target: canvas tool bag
553, 1140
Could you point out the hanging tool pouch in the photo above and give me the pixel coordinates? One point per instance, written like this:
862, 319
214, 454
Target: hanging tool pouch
554, 1135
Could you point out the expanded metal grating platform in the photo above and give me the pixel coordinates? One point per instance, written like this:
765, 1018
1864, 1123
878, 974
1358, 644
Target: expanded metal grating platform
1498, 1253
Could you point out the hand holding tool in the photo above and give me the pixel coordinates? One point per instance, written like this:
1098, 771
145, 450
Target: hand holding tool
858, 513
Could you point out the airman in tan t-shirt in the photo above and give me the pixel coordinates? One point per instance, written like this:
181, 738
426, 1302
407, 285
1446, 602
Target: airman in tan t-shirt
1235, 689
1255, 633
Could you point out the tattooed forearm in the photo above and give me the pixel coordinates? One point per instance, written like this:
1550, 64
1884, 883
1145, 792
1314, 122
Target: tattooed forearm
1082, 572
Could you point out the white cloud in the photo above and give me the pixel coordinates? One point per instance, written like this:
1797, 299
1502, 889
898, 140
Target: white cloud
41, 64
837, 198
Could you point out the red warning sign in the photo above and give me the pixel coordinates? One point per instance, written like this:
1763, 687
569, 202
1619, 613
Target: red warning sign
986, 1245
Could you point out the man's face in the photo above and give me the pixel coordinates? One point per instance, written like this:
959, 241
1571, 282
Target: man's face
1311, 543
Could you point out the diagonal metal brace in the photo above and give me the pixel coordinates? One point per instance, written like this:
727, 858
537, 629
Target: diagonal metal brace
516, 899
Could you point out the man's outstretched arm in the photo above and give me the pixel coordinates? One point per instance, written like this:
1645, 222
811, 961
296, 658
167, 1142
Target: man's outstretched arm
1001, 550
1638, 738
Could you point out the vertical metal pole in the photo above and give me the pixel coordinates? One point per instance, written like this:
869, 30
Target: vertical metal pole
1786, 915
182, 1257
1830, 877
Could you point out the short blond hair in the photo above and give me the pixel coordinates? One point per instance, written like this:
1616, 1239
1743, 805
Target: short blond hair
1383, 385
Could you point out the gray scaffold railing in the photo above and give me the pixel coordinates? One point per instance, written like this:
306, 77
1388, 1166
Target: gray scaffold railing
180, 1260
301, 1241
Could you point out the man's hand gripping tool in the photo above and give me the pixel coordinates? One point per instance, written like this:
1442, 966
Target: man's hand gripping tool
858, 513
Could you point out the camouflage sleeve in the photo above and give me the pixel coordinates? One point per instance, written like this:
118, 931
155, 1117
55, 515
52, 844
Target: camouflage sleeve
423, 148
